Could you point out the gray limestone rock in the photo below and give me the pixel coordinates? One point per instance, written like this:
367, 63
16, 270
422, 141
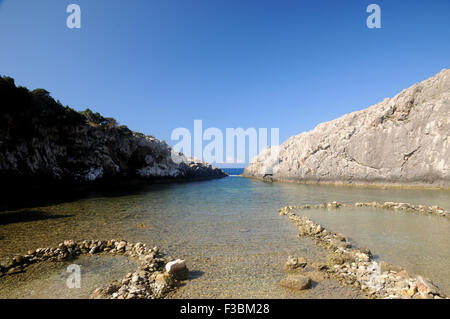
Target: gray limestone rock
399, 141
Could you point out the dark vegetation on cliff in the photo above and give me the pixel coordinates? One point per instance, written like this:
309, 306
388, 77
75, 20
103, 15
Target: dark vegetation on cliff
43, 143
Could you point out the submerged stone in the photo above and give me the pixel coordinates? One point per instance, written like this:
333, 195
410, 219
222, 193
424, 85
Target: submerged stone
297, 282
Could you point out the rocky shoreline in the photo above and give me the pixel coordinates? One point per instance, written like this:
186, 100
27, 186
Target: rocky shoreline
356, 267
423, 209
45, 147
155, 277
356, 184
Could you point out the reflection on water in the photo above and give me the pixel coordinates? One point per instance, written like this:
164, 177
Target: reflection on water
229, 230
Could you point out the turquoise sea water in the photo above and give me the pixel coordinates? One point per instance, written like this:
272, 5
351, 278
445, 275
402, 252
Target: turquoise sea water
233, 171
231, 235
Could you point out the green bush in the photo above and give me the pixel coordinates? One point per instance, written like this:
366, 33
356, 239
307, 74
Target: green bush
92, 117
7, 81
41, 92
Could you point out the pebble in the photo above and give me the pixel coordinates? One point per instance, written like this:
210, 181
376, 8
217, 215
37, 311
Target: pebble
298, 282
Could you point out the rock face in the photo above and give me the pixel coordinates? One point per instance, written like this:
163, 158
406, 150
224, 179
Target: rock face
400, 141
43, 142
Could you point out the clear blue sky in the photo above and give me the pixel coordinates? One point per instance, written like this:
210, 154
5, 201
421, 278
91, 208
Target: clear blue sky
158, 65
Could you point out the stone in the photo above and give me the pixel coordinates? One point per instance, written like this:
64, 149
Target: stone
425, 286
318, 229
412, 291
161, 278
69, 243
319, 266
344, 245
315, 276
122, 245
403, 274
174, 266
123, 289
333, 204
404, 295
143, 226
366, 251
181, 274
340, 237
11, 271
294, 264
386, 267
18, 260
339, 259
401, 284
297, 282
135, 279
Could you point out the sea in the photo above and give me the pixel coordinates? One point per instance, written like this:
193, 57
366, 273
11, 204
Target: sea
229, 232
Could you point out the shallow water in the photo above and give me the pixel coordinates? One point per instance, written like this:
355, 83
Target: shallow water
419, 243
231, 236
49, 279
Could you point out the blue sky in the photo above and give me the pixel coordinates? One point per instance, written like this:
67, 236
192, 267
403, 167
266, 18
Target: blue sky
158, 65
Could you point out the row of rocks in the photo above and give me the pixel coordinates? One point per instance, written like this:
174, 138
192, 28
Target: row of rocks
356, 267
155, 277
432, 210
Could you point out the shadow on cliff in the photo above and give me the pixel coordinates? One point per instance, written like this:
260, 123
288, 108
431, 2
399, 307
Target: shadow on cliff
27, 216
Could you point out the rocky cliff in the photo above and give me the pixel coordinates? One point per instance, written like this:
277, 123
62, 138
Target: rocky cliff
44, 143
400, 141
